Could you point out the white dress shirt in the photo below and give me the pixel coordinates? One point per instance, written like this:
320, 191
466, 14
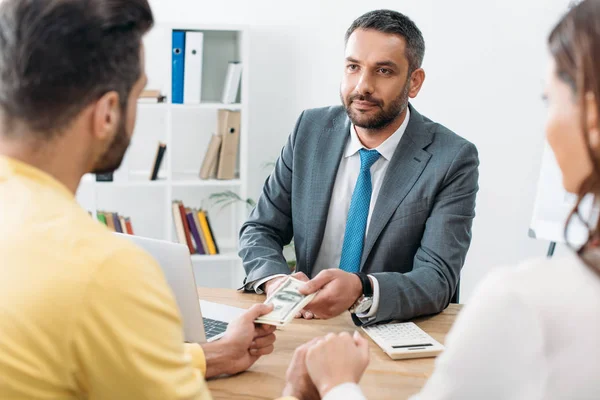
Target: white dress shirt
529, 332
345, 181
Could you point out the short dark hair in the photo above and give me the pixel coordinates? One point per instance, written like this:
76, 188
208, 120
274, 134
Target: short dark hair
388, 21
59, 56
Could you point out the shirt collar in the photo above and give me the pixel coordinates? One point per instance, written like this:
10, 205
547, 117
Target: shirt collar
386, 149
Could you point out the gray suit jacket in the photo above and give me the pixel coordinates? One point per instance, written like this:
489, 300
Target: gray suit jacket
420, 228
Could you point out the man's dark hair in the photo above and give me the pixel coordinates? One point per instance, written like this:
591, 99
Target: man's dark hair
388, 21
59, 56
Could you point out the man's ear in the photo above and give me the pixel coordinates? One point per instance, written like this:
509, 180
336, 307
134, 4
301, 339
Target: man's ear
416, 82
106, 117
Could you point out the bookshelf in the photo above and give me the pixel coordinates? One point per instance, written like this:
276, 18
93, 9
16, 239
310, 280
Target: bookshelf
186, 130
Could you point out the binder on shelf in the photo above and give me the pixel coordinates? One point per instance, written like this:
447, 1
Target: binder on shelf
178, 59
192, 78
228, 127
211, 158
160, 152
232, 82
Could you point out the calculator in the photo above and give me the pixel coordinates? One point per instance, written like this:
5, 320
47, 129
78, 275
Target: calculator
404, 340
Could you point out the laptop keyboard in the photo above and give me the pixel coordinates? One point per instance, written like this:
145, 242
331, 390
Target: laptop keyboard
213, 327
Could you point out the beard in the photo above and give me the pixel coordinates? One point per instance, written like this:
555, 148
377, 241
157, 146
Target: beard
383, 117
113, 157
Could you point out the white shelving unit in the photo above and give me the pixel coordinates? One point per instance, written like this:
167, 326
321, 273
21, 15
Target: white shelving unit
186, 129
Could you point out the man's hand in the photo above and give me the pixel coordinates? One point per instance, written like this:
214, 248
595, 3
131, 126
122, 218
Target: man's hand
337, 359
339, 291
244, 343
298, 382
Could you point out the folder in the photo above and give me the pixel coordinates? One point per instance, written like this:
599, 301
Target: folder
178, 59
160, 152
211, 158
232, 82
228, 126
192, 79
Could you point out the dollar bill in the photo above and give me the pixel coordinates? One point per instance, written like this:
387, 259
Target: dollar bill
287, 301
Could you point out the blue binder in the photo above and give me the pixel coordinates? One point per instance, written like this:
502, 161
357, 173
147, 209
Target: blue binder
178, 66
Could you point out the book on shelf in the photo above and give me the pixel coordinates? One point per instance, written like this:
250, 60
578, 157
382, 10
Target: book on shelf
200, 232
232, 82
189, 214
205, 222
186, 228
115, 222
152, 96
160, 152
193, 229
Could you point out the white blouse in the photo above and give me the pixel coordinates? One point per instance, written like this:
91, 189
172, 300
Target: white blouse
529, 332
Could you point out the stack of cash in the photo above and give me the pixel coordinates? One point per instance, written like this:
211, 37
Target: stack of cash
287, 301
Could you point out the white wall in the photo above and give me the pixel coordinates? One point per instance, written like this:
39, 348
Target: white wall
485, 63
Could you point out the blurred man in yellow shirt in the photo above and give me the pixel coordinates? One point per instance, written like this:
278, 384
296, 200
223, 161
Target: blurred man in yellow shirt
84, 314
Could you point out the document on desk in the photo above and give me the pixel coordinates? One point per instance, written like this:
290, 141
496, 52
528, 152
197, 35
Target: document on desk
287, 302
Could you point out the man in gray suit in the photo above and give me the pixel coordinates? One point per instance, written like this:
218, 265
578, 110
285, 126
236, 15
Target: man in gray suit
378, 199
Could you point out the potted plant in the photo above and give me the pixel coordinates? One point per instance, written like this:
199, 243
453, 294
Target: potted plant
228, 197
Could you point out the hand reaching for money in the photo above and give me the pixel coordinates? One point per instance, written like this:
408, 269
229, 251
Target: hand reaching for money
337, 359
273, 284
286, 301
244, 343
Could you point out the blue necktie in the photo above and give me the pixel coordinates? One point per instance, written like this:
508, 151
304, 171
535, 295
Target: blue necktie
356, 224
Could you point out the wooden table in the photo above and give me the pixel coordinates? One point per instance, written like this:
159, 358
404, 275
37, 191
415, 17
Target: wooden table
384, 378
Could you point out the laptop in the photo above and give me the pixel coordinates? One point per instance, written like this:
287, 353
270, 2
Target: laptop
203, 321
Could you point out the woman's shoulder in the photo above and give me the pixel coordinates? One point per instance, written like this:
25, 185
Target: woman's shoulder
541, 282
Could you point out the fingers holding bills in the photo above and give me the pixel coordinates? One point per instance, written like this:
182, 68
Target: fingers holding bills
287, 302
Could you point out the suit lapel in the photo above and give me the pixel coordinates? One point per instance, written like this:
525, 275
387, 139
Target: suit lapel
407, 164
325, 162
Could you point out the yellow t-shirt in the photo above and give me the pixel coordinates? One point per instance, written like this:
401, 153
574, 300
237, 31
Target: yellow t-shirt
83, 314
